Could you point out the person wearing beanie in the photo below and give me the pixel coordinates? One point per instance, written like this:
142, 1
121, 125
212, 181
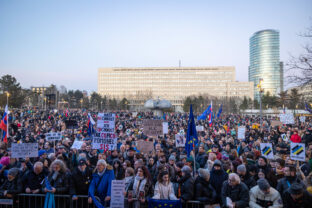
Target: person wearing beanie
217, 178
245, 176
12, 185
297, 196
263, 195
186, 184
204, 192
42, 153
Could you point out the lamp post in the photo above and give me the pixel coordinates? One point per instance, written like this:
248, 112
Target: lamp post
81, 101
8, 95
259, 86
45, 103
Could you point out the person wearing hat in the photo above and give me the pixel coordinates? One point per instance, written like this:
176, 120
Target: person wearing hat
186, 184
217, 178
297, 196
263, 195
295, 138
245, 176
204, 192
12, 185
80, 180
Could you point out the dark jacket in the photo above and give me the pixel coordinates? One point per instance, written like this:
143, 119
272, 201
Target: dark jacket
80, 181
204, 192
248, 180
61, 183
34, 181
201, 159
187, 187
12, 187
285, 183
303, 202
118, 172
217, 178
238, 194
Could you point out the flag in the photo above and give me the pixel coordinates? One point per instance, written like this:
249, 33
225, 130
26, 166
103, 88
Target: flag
210, 116
162, 203
220, 111
66, 113
90, 125
49, 201
307, 108
203, 116
4, 125
191, 136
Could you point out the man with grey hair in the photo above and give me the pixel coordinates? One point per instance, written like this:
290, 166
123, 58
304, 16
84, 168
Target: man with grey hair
245, 176
186, 183
101, 183
204, 192
33, 178
234, 192
263, 195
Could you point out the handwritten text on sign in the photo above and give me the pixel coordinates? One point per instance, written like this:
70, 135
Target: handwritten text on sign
117, 193
24, 150
52, 136
106, 122
152, 128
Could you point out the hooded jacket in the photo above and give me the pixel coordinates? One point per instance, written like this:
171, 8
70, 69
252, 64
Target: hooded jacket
204, 192
217, 177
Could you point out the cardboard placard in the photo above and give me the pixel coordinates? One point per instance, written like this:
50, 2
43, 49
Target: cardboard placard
276, 123
145, 146
23, 150
152, 128
117, 194
267, 150
165, 127
180, 140
241, 132
106, 122
77, 145
297, 151
53, 136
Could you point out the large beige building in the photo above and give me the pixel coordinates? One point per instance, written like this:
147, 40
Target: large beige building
171, 83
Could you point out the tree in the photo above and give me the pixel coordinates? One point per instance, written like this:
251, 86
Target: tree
256, 104
124, 104
9, 84
244, 104
300, 68
96, 100
295, 98
283, 99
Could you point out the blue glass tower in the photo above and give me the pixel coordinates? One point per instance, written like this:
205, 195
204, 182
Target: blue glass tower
264, 62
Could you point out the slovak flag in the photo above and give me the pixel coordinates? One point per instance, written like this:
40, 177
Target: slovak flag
90, 124
210, 116
4, 125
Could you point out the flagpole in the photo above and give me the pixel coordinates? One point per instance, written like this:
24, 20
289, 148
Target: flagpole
8, 94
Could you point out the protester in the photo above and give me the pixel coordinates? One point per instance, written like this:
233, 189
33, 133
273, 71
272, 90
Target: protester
186, 184
204, 192
164, 188
296, 196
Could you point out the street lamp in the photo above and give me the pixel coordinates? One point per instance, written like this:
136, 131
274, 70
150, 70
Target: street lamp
81, 101
8, 95
259, 86
45, 103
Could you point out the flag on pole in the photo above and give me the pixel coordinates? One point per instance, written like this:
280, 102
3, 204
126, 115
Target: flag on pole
307, 108
4, 125
203, 116
210, 116
90, 125
191, 136
220, 111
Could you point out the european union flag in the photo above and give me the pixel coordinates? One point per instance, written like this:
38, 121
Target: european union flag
220, 111
307, 108
191, 136
162, 203
204, 115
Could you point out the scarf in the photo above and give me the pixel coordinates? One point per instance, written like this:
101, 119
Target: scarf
138, 185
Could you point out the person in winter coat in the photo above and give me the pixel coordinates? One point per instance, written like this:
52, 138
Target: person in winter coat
204, 192
33, 179
267, 170
201, 157
217, 178
295, 138
118, 170
289, 178
296, 196
164, 188
236, 191
80, 179
186, 184
263, 195
140, 188
101, 182
58, 178
245, 176
12, 185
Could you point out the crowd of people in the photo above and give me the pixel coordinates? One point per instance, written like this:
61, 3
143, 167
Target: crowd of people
221, 171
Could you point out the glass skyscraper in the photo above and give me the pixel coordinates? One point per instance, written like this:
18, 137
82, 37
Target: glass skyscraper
264, 62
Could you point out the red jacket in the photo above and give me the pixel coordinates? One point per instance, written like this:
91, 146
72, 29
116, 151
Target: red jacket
295, 138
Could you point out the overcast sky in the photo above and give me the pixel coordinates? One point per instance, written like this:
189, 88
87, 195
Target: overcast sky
65, 42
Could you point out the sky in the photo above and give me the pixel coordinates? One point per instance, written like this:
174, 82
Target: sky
45, 42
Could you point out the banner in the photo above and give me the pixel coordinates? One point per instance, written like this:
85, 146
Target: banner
241, 132
287, 118
53, 136
152, 128
23, 150
297, 151
180, 140
165, 127
163, 203
145, 146
117, 194
77, 145
267, 150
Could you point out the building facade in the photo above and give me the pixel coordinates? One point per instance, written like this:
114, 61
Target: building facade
173, 84
264, 58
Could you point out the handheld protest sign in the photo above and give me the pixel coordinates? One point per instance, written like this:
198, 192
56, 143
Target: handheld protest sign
297, 151
117, 194
180, 140
152, 128
287, 118
241, 132
24, 150
302, 119
165, 127
267, 150
53, 136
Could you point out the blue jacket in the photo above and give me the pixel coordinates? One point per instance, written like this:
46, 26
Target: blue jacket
104, 187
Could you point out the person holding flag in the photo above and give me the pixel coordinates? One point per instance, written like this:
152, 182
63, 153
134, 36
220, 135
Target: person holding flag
4, 125
191, 136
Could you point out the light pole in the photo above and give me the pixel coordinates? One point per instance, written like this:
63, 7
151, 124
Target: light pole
8, 95
81, 101
45, 103
259, 86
